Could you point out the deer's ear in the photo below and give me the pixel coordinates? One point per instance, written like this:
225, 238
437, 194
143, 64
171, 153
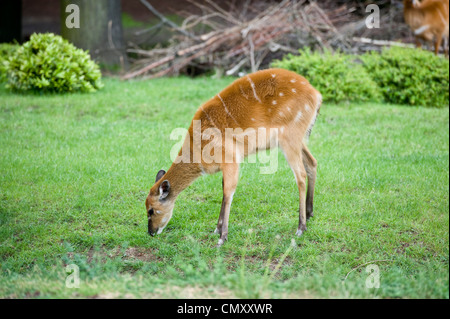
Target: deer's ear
160, 174
164, 190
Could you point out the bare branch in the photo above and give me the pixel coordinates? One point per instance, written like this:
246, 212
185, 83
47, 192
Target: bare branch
165, 20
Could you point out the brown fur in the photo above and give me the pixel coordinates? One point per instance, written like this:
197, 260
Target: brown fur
274, 98
431, 13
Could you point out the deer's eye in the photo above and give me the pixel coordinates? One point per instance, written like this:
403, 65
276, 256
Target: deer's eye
150, 212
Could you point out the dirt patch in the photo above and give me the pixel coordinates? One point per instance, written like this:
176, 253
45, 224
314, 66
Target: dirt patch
404, 246
142, 254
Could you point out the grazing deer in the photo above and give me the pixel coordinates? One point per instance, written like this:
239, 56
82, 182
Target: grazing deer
256, 112
429, 21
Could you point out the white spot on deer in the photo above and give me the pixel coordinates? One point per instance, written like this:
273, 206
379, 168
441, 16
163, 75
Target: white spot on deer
274, 75
294, 90
298, 116
281, 94
289, 109
253, 120
281, 114
293, 80
421, 30
282, 129
253, 88
274, 102
307, 108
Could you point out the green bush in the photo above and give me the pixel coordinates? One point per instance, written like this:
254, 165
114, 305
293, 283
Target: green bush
49, 63
410, 76
336, 75
6, 50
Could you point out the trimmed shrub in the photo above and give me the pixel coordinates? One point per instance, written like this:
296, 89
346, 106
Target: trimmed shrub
6, 50
49, 63
337, 76
410, 76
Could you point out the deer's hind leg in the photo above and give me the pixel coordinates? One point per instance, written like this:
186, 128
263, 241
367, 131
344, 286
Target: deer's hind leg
222, 212
310, 164
294, 157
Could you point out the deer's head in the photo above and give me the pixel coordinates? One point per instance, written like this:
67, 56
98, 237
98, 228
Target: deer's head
159, 205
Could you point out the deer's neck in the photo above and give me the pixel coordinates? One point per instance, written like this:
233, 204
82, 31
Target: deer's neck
181, 175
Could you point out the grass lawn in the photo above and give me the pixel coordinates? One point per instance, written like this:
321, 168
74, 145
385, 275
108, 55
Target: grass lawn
76, 169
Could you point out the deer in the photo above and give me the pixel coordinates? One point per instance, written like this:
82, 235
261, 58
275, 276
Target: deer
428, 19
268, 109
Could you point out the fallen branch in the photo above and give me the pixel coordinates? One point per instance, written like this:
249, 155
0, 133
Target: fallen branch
148, 68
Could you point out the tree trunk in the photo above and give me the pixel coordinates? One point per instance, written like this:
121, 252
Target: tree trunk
99, 30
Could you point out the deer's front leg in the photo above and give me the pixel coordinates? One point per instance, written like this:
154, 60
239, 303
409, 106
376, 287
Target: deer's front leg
230, 180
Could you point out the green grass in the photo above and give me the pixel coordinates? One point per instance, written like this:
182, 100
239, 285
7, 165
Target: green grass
76, 169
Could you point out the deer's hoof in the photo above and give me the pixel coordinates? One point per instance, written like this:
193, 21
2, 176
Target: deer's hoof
220, 243
300, 230
222, 240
